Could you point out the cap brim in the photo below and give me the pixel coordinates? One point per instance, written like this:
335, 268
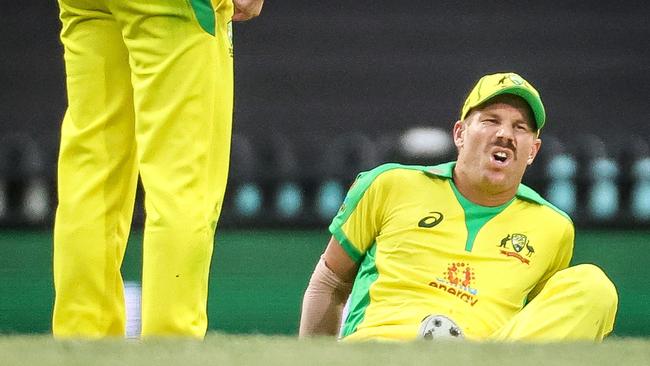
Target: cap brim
533, 101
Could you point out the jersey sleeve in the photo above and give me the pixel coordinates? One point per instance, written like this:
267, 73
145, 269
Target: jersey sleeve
359, 219
561, 260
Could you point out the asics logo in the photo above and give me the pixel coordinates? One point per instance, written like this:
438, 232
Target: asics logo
432, 220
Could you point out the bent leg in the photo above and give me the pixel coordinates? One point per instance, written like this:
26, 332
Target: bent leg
97, 175
578, 303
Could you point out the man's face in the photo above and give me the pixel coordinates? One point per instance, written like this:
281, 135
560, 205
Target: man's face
496, 143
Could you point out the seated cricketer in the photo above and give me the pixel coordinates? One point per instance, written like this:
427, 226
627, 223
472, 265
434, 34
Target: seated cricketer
461, 249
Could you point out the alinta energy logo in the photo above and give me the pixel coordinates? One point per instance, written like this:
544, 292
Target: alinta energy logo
517, 242
458, 281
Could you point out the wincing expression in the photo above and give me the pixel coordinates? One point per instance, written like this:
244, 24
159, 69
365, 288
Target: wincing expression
496, 142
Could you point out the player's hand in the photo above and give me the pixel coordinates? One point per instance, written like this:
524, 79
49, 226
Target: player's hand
247, 9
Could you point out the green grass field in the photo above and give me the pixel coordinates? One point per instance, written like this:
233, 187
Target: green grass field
219, 349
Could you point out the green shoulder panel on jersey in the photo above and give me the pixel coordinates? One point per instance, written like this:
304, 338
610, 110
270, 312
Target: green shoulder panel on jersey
204, 14
529, 194
444, 170
356, 192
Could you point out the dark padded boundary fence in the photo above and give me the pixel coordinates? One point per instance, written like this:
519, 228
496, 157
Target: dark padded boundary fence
258, 278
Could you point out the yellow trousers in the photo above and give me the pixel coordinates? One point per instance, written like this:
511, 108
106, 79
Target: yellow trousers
576, 304
150, 92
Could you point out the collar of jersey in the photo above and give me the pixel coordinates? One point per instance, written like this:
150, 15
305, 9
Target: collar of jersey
446, 170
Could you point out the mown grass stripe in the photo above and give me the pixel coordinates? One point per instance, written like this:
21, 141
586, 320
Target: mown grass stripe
221, 349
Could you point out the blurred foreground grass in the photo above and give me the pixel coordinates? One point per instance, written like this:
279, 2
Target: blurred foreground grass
220, 349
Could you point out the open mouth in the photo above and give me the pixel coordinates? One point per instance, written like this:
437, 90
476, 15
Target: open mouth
502, 156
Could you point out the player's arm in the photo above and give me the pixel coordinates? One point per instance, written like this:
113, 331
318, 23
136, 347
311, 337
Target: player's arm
354, 231
327, 292
247, 9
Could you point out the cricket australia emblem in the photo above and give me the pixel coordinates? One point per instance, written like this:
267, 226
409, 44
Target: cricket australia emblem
229, 33
517, 242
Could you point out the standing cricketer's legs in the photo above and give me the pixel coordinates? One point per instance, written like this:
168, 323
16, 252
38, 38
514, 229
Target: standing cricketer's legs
96, 175
183, 93
578, 303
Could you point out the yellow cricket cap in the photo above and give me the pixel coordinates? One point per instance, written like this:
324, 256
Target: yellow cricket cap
489, 86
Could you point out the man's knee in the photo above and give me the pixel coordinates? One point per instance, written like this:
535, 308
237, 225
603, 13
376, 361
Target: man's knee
593, 285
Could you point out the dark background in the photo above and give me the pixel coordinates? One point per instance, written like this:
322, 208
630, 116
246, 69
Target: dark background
380, 65
309, 73
332, 85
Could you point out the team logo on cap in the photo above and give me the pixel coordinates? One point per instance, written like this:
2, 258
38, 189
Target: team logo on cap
515, 79
517, 242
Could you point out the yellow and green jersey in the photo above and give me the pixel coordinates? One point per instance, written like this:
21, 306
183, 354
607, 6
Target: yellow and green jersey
425, 249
